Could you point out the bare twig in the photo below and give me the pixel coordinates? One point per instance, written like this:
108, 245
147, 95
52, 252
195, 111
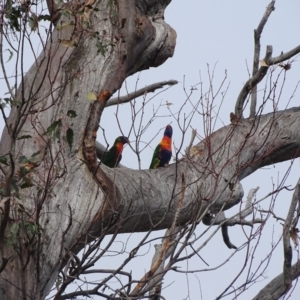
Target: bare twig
148, 89
272, 213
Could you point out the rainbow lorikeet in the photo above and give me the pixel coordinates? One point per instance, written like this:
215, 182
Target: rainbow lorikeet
163, 151
114, 154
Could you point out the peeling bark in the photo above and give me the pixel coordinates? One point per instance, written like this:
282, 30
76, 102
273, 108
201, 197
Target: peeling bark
134, 37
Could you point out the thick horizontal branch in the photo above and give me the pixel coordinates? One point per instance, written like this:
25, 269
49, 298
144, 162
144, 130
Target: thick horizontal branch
148, 89
276, 288
284, 56
148, 199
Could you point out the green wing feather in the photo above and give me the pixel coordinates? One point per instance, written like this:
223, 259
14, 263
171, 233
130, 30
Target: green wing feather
155, 158
110, 158
114, 154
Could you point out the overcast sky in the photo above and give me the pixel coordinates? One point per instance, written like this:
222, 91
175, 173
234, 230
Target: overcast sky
218, 35
213, 37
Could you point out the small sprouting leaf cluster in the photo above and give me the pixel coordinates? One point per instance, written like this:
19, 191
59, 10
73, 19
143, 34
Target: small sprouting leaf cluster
54, 129
22, 227
8, 101
21, 178
16, 12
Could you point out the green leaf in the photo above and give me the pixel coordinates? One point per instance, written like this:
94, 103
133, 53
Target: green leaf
24, 137
68, 43
31, 227
52, 127
3, 160
67, 13
14, 230
64, 25
71, 114
91, 96
10, 54
35, 153
15, 187
33, 22
84, 162
8, 5
22, 159
13, 15
100, 48
70, 135
43, 17
27, 183
23, 171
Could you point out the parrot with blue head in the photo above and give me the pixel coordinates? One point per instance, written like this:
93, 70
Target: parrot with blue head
163, 151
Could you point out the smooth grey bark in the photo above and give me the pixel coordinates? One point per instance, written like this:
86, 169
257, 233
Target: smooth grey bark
276, 288
68, 196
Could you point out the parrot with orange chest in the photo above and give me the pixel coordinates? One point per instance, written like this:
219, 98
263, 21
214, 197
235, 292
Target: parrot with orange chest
114, 155
163, 151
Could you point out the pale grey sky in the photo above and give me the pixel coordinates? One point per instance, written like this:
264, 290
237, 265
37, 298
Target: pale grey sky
220, 34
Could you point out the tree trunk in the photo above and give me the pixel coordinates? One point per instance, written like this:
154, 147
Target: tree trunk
69, 196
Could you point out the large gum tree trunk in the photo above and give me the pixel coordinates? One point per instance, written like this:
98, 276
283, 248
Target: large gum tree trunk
91, 53
73, 200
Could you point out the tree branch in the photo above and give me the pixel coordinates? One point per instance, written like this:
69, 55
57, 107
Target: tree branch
239, 219
276, 288
284, 56
259, 75
156, 282
257, 34
148, 89
251, 83
53, 11
287, 249
282, 283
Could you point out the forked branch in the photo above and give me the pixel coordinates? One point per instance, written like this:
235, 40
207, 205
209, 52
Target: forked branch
220, 219
260, 74
257, 34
